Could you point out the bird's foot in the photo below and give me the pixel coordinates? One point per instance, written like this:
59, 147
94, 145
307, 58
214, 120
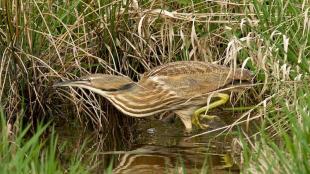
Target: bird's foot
187, 132
227, 161
198, 113
210, 117
196, 120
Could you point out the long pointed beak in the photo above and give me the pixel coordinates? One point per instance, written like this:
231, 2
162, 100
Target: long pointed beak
78, 82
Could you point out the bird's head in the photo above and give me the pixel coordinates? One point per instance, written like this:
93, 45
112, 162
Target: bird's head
100, 83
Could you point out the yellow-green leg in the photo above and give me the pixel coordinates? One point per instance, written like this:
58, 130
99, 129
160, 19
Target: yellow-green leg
195, 119
227, 160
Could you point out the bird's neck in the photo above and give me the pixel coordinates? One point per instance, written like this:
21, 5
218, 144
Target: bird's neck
141, 101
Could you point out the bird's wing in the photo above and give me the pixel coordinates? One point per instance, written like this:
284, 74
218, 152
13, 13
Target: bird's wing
188, 78
187, 85
195, 68
183, 67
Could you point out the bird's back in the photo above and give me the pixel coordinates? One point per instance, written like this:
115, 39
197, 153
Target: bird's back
192, 78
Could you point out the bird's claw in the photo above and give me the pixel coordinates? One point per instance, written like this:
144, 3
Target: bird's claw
227, 161
210, 117
197, 118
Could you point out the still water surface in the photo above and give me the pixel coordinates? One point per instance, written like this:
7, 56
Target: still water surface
156, 147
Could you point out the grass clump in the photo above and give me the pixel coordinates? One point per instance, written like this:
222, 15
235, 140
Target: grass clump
283, 145
23, 152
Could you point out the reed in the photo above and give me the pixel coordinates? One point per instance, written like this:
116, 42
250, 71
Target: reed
24, 152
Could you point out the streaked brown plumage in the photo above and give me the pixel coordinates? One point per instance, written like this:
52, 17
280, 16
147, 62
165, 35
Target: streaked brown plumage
181, 87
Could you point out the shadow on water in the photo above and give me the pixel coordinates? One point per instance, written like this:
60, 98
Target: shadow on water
158, 147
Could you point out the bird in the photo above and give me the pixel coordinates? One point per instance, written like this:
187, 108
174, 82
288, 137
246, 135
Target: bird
183, 87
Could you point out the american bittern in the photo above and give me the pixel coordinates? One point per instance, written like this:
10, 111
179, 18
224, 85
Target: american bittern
182, 87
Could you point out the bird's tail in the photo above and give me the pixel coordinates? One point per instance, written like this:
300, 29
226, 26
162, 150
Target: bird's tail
242, 74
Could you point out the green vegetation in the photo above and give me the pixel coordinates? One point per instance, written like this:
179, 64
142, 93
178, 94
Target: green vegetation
43, 42
21, 153
283, 145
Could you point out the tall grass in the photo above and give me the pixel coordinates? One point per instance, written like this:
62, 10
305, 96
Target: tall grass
284, 146
22, 152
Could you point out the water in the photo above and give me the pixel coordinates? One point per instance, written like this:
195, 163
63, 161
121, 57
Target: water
157, 147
